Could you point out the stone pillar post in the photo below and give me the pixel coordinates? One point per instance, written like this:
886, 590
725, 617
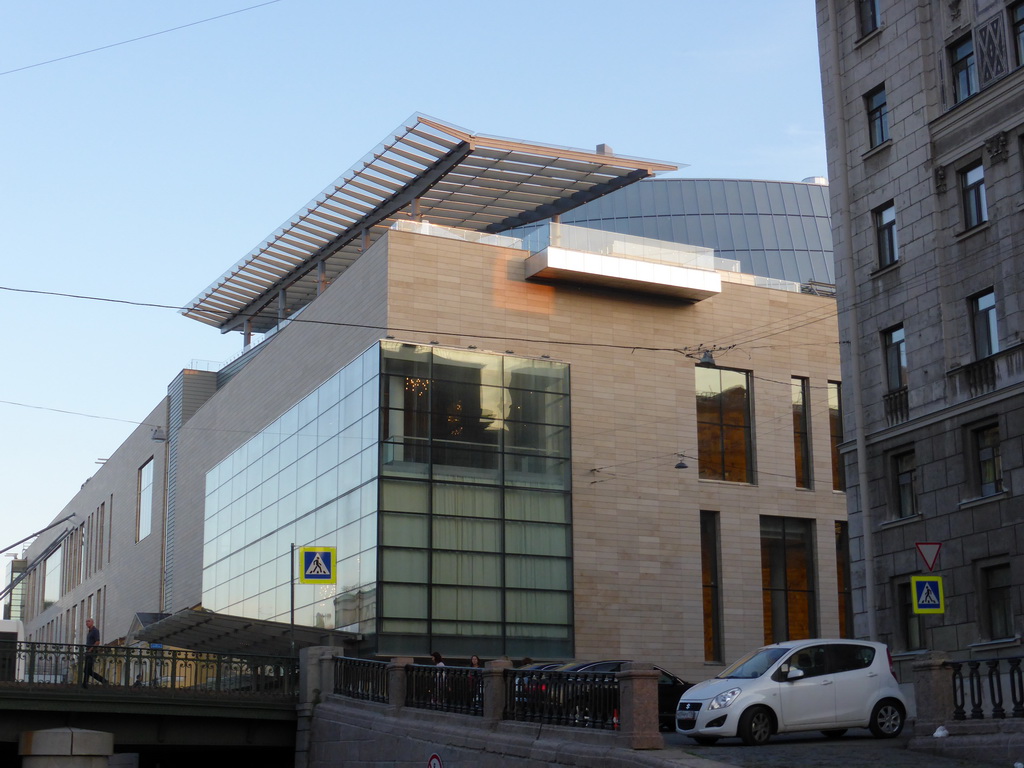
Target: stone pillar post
494, 689
397, 682
65, 748
933, 691
638, 695
316, 680
316, 673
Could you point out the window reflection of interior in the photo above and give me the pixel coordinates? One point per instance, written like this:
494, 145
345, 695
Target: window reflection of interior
724, 440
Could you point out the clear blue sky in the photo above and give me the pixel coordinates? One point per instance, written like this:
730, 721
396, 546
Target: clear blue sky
143, 171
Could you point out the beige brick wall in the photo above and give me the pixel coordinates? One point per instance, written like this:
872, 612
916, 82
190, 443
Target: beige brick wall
129, 579
636, 518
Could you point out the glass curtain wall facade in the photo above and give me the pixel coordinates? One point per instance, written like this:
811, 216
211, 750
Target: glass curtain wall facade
442, 478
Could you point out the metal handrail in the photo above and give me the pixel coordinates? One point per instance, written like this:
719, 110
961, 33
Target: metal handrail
37, 665
361, 679
448, 689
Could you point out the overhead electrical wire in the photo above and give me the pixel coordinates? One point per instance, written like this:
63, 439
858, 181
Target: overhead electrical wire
136, 39
692, 352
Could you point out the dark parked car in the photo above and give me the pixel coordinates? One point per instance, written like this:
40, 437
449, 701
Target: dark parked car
670, 687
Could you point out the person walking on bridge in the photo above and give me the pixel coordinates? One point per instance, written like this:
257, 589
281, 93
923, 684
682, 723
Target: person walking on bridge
92, 642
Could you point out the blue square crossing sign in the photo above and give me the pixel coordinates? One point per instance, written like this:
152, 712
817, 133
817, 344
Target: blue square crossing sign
928, 596
317, 565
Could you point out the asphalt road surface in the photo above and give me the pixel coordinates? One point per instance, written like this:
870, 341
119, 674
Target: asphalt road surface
857, 749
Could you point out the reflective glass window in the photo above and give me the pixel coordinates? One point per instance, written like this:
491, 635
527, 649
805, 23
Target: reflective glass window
725, 444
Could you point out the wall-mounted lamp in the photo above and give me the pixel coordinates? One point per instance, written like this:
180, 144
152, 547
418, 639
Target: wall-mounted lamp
706, 358
682, 465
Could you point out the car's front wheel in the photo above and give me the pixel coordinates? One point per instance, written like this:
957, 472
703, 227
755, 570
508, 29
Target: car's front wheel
755, 726
887, 719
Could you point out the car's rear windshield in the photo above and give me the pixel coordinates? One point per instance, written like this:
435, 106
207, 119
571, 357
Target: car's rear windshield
754, 664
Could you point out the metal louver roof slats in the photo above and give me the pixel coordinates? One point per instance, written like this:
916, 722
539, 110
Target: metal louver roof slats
345, 216
307, 235
318, 227
396, 164
247, 285
515, 197
380, 183
281, 249
457, 181
469, 204
454, 177
434, 137
514, 174
423, 162
435, 152
347, 199
372, 201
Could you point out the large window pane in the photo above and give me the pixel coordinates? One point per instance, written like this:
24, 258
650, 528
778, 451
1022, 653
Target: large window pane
466, 568
787, 572
835, 428
467, 500
537, 573
537, 539
145, 501
724, 438
536, 506
711, 580
800, 392
526, 607
467, 534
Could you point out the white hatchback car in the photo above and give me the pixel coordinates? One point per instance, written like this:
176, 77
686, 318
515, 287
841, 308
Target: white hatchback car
799, 685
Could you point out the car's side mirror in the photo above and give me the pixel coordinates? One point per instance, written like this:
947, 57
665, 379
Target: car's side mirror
794, 673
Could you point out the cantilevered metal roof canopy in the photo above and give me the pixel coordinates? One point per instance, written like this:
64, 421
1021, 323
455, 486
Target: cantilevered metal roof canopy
201, 630
429, 170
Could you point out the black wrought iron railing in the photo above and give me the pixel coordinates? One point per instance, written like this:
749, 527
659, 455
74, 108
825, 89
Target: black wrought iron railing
59, 664
361, 679
448, 689
982, 684
576, 699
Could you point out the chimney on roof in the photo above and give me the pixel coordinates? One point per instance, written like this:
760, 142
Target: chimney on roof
604, 149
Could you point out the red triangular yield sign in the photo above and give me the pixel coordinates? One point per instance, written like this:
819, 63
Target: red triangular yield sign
929, 552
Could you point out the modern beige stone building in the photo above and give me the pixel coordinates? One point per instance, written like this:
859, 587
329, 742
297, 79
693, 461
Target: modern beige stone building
503, 435
924, 109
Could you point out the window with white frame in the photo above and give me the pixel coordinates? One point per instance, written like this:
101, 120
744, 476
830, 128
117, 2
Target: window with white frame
904, 476
984, 326
1017, 27
963, 69
972, 189
878, 116
996, 595
144, 520
885, 234
988, 462
868, 16
895, 342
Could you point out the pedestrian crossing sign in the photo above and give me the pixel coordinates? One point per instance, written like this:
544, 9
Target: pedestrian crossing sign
928, 596
317, 565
